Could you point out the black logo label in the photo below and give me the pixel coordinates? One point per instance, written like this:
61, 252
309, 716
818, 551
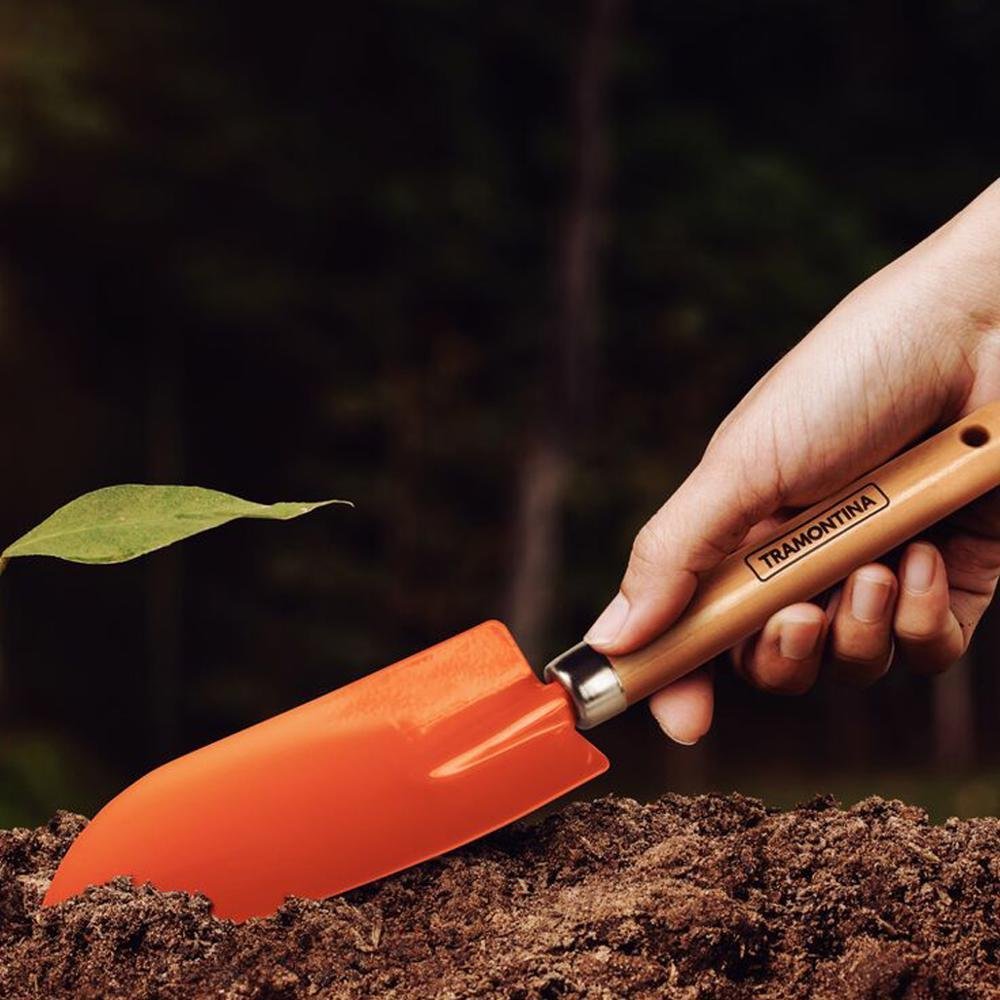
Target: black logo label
815, 532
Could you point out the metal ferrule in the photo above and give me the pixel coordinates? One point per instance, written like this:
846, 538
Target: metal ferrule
591, 682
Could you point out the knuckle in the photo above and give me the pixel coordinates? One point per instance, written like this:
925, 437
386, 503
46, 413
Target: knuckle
789, 686
931, 652
781, 677
862, 647
920, 632
649, 550
919, 625
795, 686
859, 641
860, 671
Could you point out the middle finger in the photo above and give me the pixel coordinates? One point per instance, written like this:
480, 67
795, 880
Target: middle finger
860, 641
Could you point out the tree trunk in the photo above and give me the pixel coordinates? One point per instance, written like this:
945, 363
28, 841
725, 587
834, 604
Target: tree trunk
570, 351
164, 464
954, 718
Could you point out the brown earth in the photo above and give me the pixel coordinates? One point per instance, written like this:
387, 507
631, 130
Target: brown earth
684, 898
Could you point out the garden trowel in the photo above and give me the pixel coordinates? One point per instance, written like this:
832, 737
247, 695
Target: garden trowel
442, 747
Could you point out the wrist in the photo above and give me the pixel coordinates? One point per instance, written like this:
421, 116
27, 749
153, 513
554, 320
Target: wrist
966, 255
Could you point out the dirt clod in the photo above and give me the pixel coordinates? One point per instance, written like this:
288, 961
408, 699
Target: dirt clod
710, 897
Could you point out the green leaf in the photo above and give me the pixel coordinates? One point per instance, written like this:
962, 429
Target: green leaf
118, 523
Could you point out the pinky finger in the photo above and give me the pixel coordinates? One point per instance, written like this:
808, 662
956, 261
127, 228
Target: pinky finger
929, 635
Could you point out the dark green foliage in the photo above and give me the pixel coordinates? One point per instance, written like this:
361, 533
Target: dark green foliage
301, 253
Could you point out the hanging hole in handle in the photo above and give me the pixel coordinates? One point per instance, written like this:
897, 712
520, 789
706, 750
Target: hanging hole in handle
975, 436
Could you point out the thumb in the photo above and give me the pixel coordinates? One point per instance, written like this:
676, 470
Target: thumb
704, 520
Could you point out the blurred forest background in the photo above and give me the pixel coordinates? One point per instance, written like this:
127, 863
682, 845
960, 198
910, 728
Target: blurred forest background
492, 271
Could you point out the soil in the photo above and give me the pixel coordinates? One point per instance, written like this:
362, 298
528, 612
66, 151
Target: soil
708, 897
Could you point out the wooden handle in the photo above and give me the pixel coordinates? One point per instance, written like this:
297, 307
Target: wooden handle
821, 546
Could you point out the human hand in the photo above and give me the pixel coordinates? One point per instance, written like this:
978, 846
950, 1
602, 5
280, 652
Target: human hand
913, 347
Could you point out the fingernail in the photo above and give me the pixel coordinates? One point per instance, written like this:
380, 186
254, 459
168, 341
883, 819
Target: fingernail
798, 640
869, 597
919, 569
609, 623
662, 723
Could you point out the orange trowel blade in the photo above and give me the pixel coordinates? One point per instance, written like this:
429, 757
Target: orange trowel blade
393, 769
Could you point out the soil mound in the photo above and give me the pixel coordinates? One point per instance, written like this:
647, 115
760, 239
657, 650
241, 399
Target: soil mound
708, 897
